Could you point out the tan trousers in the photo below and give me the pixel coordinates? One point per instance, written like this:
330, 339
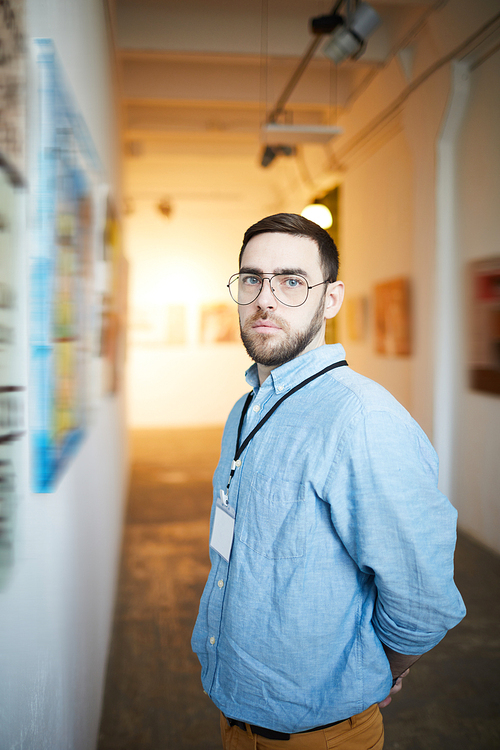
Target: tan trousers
365, 731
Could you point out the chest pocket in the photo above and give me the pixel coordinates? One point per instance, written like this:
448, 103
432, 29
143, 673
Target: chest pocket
274, 521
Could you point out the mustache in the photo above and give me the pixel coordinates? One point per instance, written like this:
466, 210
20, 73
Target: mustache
256, 317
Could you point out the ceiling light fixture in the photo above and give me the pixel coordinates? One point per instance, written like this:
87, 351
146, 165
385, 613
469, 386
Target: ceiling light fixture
283, 133
271, 152
347, 38
319, 213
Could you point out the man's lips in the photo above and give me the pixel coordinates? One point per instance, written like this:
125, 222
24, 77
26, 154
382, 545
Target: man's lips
265, 325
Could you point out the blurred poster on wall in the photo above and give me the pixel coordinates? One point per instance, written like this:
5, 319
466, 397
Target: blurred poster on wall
484, 322
12, 89
12, 287
392, 317
113, 302
12, 369
219, 324
62, 273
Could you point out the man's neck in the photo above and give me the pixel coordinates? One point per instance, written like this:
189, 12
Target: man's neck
264, 371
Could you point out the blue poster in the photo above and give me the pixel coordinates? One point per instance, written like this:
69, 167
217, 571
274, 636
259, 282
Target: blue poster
67, 172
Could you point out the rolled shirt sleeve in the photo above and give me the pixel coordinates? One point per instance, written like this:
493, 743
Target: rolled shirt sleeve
398, 527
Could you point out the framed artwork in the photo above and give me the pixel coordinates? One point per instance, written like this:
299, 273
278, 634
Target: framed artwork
12, 90
484, 325
62, 267
158, 326
12, 369
219, 324
12, 274
113, 302
392, 317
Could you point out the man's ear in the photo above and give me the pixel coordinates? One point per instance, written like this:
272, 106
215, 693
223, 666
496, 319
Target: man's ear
334, 298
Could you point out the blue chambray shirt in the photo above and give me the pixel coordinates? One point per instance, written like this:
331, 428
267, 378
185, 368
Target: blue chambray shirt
342, 542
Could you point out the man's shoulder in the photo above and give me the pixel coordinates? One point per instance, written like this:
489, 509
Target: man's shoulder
364, 393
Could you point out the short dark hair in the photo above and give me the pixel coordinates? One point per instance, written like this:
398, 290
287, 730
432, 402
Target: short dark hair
298, 226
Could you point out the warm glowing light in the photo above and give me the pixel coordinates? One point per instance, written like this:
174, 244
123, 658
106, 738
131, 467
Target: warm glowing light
318, 213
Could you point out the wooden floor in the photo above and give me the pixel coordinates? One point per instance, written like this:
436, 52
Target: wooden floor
153, 697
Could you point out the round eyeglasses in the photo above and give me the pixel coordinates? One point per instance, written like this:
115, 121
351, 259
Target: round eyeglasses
289, 289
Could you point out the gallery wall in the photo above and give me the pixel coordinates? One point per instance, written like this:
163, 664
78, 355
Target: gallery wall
411, 141
477, 446
435, 162
185, 361
58, 584
377, 245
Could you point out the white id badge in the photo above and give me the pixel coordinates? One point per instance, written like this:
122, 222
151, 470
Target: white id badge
223, 529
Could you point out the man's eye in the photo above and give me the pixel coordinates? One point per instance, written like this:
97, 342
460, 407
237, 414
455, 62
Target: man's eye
292, 282
250, 280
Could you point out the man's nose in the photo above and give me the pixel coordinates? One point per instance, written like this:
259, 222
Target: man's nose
266, 297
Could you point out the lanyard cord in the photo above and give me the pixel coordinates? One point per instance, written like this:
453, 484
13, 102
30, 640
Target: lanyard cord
241, 448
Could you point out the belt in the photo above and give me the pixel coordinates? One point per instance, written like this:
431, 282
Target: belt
271, 734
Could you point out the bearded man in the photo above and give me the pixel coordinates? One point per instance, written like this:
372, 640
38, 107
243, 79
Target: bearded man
331, 546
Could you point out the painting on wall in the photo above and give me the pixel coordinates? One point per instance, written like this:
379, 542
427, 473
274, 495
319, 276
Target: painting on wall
12, 377
158, 325
392, 317
12, 90
113, 302
484, 322
62, 268
219, 324
12, 284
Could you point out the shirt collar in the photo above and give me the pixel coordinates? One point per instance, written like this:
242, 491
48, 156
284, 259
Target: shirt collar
292, 373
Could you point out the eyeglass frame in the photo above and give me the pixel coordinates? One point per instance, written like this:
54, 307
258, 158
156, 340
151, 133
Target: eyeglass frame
269, 277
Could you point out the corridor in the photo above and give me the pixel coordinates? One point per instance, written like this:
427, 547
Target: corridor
153, 698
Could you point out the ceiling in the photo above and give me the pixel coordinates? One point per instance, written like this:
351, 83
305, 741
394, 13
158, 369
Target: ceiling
199, 77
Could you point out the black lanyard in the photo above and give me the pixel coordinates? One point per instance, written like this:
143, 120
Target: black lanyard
241, 448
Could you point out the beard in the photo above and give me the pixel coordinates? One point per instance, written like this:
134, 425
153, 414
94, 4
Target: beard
264, 351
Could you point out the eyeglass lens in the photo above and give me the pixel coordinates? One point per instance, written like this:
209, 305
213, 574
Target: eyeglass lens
289, 289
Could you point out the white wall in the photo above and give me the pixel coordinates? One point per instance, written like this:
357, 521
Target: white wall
477, 465
185, 260
377, 244
393, 171
56, 608
390, 227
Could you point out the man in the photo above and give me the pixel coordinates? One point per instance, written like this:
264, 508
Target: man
331, 546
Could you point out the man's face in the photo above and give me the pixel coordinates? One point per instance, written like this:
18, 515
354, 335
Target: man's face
273, 333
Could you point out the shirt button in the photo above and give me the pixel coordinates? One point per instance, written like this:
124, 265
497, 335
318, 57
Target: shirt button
212, 640
238, 462
280, 388
220, 583
256, 408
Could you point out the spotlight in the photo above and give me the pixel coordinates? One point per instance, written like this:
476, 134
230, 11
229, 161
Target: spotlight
350, 40
326, 24
271, 152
